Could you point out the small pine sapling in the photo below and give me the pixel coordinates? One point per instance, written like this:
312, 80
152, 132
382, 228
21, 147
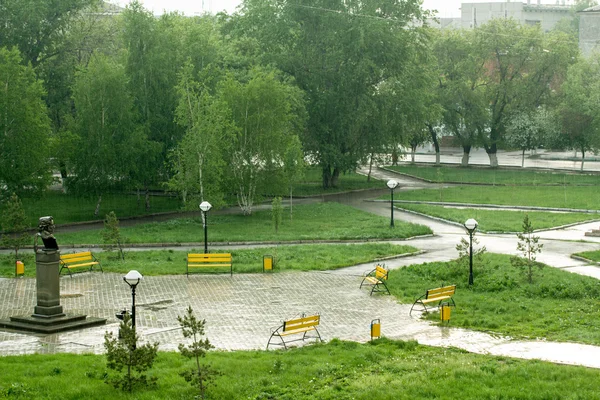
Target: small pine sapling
123, 353
200, 376
14, 223
111, 234
529, 246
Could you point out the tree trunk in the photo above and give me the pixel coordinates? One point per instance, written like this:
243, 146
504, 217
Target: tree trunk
370, 168
436, 143
465, 158
97, 210
523, 159
582, 158
138, 197
330, 178
413, 150
493, 159
147, 199
291, 203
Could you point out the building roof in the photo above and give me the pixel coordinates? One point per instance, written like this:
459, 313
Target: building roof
592, 9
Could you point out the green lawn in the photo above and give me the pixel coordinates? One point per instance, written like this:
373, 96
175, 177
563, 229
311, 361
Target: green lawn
498, 220
558, 306
67, 208
577, 197
497, 176
338, 370
323, 221
313, 257
590, 255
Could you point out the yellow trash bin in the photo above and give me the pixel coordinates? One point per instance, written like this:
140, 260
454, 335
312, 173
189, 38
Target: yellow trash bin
375, 329
445, 312
268, 263
19, 268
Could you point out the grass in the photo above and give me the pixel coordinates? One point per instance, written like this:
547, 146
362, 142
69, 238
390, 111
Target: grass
67, 208
558, 306
382, 369
577, 197
314, 257
323, 221
312, 184
590, 255
497, 176
500, 220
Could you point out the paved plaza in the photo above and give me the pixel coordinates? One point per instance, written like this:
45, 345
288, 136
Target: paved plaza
242, 310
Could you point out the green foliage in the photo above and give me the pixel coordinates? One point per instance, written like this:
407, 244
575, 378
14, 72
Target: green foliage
123, 354
276, 213
529, 246
111, 234
201, 376
464, 250
14, 224
24, 125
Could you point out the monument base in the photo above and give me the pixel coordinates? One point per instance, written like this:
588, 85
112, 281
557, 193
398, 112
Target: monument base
43, 324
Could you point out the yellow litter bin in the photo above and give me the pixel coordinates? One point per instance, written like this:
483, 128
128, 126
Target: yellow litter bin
19, 268
445, 312
375, 329
268, 263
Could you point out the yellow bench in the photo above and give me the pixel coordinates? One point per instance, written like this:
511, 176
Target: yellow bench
436, 295
216, 260
77, 260
303, 325
376, 278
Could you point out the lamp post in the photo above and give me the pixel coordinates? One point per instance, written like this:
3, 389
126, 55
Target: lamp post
132, 279
471, 226
392, 184
205, 206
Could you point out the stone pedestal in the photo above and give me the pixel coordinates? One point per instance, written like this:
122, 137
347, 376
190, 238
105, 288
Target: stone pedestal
48, 315
47, 264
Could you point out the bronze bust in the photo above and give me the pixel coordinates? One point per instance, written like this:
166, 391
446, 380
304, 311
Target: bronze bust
45, 231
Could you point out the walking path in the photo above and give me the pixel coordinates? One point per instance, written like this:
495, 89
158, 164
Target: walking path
240, 310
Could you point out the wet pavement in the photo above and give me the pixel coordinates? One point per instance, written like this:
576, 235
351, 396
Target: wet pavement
241, 310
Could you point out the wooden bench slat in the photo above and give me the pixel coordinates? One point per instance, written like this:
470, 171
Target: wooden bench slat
81, 265
296, 326
376, 278
76, 260
210, 260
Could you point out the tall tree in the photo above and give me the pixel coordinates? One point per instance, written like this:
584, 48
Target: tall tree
24, 126
36, 27
109, 143
521, 66
151, 66
339, 52
267, 113
198, 162
580, 107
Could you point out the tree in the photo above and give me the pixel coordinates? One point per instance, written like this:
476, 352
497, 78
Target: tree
111, 234
36, 27
198, 163
14, 224
529, 246
339, 52
529, 130
24, 127
201, 375
124, 353
151, 66
109, 145
578, 111
267, 114
521, 66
